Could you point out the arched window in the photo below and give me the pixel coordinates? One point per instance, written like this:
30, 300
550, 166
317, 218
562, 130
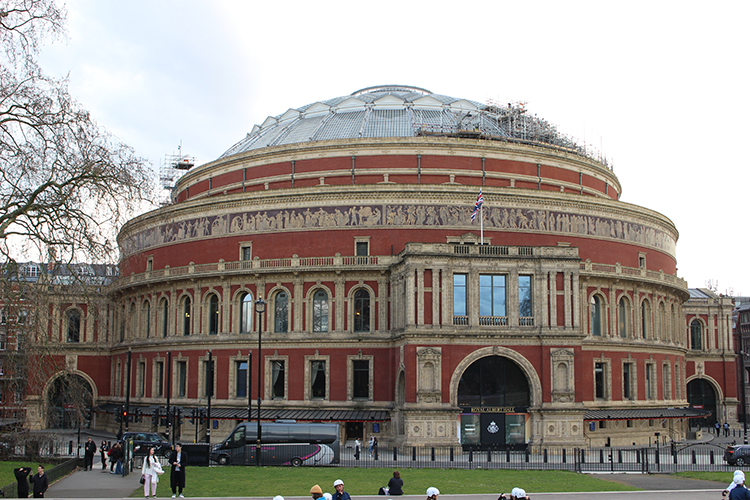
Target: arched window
645, 319
696, 335
623, 317
213, 315
597, 316
246, 313
164, 317
122, 325
662, 322
147, 319
186, 311
320, 311
74, 325
281, 313
361, 310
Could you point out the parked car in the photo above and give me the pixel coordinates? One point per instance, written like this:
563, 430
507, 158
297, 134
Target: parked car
142, 441
737, 454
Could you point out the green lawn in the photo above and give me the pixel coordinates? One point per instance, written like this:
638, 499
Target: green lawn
287, 481
722, 477
6, 470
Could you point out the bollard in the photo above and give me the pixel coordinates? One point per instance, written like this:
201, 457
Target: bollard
601, 456
489, 456
432, 454
564, 457
414, 453
70, 447
527, 455
507, 456
451, 453
395, 453
583, 456
711, 457
545, 455
471, 456
619, 456
637, 456
694, 460
374, 451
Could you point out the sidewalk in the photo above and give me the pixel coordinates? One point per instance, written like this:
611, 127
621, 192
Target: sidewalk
100, 484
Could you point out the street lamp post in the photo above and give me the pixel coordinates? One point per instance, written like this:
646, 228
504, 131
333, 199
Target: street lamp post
260, 308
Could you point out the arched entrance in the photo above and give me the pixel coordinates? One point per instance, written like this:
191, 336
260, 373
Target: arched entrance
494, 397
68, 399
701, 394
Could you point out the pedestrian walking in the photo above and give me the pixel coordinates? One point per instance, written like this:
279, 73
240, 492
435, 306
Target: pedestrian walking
115, 457
340, 493
178, 461
357, 448
103, 449
40, 482
150, 472
22, 477
726, 429
88, 454
371, 444
717, 426
375, 447
396, 484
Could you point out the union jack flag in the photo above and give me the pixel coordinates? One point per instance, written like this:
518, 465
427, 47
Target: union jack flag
477, 205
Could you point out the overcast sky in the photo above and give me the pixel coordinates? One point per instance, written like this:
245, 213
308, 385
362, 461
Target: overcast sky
660, 87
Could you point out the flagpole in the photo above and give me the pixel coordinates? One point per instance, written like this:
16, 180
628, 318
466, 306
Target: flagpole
481, 224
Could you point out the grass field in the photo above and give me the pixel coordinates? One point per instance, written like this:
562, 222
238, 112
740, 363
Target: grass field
286, 481
6, 470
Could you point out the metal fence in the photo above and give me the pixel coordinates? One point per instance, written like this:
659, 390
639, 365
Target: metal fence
675, 458
53, 474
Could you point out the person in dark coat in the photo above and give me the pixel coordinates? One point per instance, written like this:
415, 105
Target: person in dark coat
103, 452
88, 454
178, 461
396, 484
22, 476
40, 482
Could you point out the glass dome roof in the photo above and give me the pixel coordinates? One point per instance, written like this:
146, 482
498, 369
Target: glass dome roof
401, 111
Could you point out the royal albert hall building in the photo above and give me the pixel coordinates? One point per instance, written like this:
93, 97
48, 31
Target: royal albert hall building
556, 317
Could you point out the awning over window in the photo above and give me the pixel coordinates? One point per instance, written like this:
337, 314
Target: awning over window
645, 414
269, 413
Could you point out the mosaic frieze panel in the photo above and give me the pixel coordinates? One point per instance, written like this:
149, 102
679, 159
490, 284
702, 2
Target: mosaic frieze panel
387, 215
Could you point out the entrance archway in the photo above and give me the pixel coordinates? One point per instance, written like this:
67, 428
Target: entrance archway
494, 395
701, 394
68, 398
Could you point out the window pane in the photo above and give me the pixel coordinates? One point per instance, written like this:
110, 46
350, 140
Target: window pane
246, 314
213, 318
182, 378
281, 318
362, 311
74, 326
626, 381
320, 311
361, 378
524, 296
241, 378
318, 379
599, 380
492, 295
459, 295
622, 318
596, 316
277, 381
186, 316
164, 317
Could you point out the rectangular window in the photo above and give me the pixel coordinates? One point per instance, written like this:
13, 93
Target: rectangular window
649, 381
182, 379
318, 379
524, 297
666, 380
278, 382
492, 296
141, 378
362, 248
361, 379
459, 295
247, 253
240, 372
630, 423
627, 373
599, 380
159, 379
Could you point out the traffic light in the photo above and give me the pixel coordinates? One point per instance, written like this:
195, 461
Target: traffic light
155, 417
138, 415
193, 415
119, 414
125, 416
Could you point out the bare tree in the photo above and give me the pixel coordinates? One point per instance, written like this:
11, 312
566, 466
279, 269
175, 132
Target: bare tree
66, 186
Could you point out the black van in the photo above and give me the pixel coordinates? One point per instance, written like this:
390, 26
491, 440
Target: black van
283, 443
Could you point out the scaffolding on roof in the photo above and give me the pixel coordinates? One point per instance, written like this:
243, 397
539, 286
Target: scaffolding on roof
173, 168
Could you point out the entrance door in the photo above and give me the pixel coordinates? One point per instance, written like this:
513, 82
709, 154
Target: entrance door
354, 430
701, 393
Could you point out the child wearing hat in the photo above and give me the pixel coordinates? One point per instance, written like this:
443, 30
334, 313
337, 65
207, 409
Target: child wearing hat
340, 493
